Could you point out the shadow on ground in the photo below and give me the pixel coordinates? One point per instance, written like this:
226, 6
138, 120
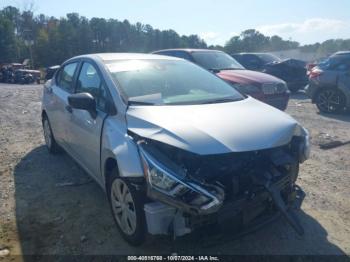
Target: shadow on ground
59, 210
341, 117
300, 95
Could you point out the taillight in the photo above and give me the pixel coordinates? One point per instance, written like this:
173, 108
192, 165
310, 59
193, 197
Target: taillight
315, 73
310, 66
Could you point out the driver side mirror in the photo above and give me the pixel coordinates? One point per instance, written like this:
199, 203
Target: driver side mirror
83, 101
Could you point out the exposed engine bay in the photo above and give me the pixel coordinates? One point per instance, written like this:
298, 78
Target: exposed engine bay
225, 183
234, 172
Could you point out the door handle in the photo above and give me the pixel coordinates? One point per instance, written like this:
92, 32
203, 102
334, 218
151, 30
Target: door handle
69, 109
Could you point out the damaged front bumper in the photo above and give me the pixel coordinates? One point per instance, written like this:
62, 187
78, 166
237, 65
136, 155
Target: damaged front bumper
240, 216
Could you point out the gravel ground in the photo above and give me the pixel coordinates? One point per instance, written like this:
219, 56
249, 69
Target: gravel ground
39, 215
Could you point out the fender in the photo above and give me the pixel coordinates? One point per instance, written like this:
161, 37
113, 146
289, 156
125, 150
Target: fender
118, 145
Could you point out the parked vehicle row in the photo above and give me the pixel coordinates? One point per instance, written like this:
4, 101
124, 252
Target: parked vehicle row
292, 71
261, 86
174, 146
326, 82
17, 74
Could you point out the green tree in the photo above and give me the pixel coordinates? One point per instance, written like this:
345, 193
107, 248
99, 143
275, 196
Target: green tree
7, 41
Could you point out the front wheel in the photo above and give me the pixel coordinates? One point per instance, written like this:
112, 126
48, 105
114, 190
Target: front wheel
330, 100
126, 203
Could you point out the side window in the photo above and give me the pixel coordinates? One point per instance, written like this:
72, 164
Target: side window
252, 62
245, 60
65, 77
89, 81
239, 58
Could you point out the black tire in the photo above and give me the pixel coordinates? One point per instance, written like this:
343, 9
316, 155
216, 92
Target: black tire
50, 141
137, 236
330, 100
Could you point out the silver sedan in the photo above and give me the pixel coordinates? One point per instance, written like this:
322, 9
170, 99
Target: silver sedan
173, 146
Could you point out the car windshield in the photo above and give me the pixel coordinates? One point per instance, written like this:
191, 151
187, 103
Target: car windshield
268, 58
215, 60
162, 82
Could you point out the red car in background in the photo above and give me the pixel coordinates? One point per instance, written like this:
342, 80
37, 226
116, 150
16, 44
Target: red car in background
261, 86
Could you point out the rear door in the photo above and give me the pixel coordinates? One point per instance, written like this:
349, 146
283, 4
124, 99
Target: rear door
85, 130
58, 108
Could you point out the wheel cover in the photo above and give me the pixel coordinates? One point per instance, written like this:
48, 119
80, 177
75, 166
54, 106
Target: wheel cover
329, 101
123, 207
47, 133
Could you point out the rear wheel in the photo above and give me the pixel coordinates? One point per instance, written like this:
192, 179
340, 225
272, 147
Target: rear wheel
50, 141
126, 203
330, 100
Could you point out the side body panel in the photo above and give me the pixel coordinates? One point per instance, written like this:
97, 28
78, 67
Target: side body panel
117, 144
84, 139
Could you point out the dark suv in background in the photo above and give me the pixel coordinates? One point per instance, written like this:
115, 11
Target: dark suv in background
292, 71
263, 87
329, 83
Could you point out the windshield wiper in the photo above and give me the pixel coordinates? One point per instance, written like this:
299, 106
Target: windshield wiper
221, 100
218, 70
214, 70
131, 102
147, 100
231, 68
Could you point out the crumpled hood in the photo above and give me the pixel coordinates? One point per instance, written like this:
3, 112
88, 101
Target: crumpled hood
247, 77
214, 128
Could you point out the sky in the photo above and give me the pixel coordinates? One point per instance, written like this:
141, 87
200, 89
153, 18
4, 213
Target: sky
305, 21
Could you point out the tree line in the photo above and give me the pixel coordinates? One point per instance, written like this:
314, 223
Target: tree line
50, 40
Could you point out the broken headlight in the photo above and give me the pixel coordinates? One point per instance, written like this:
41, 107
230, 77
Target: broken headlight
167, 183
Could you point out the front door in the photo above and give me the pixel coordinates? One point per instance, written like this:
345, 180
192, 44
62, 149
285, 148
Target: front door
85, 129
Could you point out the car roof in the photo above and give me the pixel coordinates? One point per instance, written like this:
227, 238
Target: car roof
342, 53
125, 56
188, 50
247, 53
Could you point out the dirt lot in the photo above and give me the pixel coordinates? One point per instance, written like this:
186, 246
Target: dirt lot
39, 215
